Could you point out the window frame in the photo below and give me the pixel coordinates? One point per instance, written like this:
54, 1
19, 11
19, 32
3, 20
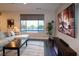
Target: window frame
37, 28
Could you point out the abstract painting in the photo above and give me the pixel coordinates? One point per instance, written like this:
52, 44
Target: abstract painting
66, 21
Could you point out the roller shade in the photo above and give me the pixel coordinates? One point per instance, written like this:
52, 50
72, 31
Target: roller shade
32, 16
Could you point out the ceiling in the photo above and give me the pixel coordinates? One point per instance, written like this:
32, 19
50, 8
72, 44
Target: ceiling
29, 6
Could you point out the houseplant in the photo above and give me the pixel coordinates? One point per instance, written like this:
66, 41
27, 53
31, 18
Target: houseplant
50, 29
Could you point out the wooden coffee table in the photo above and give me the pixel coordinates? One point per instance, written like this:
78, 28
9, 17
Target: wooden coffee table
15, 44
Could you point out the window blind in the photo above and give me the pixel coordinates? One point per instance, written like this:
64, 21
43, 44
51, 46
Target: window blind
32, 16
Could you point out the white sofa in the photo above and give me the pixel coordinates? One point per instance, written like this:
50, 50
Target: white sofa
5, 40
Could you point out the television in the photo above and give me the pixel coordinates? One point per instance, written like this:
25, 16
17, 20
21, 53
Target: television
66, 21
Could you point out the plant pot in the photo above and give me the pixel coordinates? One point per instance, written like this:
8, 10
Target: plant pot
50, 37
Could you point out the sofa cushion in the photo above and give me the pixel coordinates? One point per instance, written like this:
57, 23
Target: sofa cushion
10, 38
2, 35
3, 42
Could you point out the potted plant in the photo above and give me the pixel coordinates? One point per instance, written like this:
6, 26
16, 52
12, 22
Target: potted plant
50, 29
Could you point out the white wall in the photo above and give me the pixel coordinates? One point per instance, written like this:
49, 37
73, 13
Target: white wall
16, 16
73, 42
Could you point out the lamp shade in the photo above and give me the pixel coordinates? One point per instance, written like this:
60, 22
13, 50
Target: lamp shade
16, 29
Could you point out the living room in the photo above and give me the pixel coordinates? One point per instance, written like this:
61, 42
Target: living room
13, 11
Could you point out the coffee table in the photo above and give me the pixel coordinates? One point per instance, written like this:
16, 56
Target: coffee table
15, 44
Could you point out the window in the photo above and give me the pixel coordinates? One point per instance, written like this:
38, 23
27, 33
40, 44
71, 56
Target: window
31, 25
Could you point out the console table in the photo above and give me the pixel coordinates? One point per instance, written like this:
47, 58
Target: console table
57, 47
15, 44
63, 48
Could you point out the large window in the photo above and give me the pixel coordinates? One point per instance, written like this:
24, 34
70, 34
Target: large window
29, 25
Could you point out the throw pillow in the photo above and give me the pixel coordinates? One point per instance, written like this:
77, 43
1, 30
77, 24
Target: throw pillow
12, 33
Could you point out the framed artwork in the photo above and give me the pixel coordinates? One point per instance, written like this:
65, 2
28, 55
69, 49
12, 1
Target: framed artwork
66, 21
10, 23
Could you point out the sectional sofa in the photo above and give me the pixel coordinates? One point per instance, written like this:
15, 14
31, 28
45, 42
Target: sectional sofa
4, 39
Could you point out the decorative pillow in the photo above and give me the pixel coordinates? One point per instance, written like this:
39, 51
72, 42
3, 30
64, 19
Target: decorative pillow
8, 34
12, 33
2, 35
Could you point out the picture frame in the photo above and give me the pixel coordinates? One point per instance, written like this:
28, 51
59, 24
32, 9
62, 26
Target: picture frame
10, 23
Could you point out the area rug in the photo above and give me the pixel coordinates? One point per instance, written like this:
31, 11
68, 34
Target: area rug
34, 48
